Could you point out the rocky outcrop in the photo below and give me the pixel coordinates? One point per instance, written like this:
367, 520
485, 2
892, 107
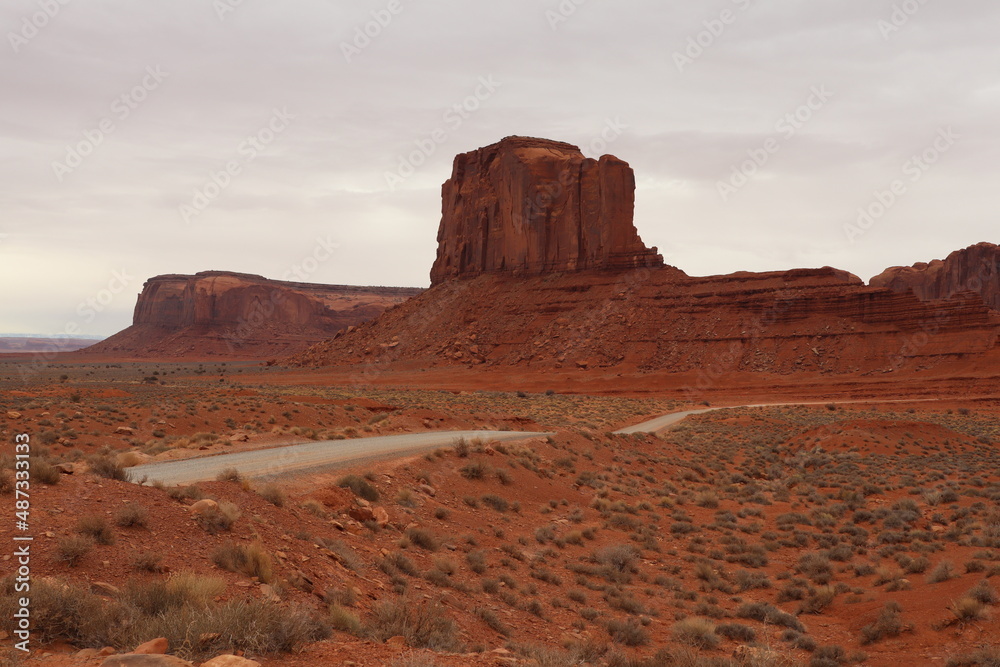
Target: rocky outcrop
821, 321
974, 269
242, 315
530, 206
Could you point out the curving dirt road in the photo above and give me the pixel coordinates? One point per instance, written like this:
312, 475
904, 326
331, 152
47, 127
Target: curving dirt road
311, 455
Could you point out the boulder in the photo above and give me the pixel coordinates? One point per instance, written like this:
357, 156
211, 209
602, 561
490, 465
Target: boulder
202, 506
531, 206
157, 646
230, 661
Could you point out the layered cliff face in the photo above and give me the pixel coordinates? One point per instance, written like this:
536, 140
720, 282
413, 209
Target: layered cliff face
235, 314
532, 206
822, 321
974, 269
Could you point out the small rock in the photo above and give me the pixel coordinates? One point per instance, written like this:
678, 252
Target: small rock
107, 590
398, 640
157, 646
124, 430
381, 516
427, 490
13, 414
203, 505
65, 468
361, 514
87, 653
230, 661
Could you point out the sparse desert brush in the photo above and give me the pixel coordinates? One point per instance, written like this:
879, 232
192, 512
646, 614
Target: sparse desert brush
697, 632
967, 609
461, 448
360, 486
475, 470
424, 625
184, 589
105, 465
218, 518
315, 507
422, 538
132, 515
943, 571
97, 527
984, 593
272, 494
888, 624
148, 561
252, 561
344, 620
44, 472
229, 475
73, 548
628, 632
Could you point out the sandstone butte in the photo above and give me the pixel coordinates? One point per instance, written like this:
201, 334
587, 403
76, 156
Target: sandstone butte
532, 206
241, 316
539, 266
974, 269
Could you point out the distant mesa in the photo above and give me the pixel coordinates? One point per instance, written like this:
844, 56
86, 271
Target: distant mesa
974, 269
242, 315
528, 206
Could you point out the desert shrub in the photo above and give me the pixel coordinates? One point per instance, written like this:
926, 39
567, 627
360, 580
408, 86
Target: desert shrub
219, 518
252, 561
73, 548
461, 448
490, 618
697, 632
229, 475
107, 466
628, 632
158, 596
44, 472
314, 507
820, 599
344, 620
766, 613
474, 470
888, 624
967, 609
943, 571
618, 560
148, 561
984, 593
422, 538
988, 656
272, 494
476, 561
97, 527
424, 625
360, 486
132, 515
737, 632
496, 502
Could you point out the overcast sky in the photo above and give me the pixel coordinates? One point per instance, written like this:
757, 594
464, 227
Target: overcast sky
114, 116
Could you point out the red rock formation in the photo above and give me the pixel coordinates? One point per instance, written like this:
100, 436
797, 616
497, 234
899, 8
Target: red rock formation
823, 320
531, 206
974, 269
235, 314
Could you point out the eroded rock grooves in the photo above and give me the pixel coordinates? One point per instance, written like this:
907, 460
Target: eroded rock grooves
223, 313
973, 269
528, 206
